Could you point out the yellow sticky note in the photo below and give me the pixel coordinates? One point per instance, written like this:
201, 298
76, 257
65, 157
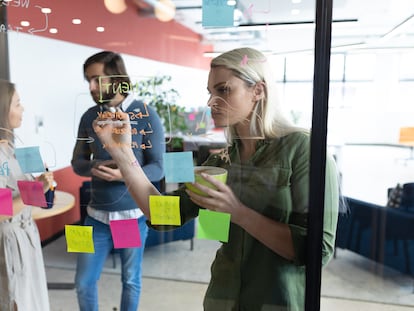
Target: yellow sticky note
79, 239
165, 210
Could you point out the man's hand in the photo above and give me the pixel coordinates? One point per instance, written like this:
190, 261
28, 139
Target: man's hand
106, 173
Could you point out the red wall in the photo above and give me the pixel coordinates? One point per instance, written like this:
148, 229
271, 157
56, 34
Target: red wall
129, 32
67, 181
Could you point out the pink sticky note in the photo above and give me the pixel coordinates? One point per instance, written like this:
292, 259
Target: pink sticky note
31, 193
6, 202
191, 117
125, 233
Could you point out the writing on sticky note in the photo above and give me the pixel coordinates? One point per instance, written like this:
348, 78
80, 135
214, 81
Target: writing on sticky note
217, 13
79, 239
179, 167
6, 202
32, 193
29, 159
213, 225
165, 210
125, 233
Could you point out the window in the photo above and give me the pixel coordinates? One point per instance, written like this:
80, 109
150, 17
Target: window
299, 67
337, 67
360, 67
406, 68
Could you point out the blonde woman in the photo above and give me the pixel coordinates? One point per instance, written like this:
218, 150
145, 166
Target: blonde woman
23, 283
262, 266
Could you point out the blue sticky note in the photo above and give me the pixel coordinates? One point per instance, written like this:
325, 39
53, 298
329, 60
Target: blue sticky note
217, 13
30, 160
179, 167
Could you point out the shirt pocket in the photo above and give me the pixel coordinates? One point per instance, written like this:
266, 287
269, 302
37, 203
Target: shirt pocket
267, 190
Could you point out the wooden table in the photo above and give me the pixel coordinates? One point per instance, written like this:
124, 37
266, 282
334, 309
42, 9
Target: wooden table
64, 201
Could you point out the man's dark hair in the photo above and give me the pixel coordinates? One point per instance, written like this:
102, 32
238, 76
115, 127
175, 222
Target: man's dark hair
113, 65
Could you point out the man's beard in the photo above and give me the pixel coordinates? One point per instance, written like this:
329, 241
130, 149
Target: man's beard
102, 97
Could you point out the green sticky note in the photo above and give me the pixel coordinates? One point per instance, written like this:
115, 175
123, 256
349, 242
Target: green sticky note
213, 225
165, 210
79, 239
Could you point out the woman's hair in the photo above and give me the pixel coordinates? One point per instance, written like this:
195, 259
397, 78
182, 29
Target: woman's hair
113, 66
252, 67
7, 90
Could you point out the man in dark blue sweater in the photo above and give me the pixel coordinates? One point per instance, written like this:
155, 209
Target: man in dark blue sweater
110, 88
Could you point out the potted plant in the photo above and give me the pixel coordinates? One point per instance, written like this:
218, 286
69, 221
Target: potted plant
156, 93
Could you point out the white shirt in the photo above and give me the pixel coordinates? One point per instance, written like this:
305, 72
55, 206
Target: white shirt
105, 216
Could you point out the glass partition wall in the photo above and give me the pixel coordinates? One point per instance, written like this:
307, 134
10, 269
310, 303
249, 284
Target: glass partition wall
369, 102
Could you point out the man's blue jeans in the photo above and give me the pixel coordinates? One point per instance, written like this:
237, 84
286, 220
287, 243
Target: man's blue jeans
89, 268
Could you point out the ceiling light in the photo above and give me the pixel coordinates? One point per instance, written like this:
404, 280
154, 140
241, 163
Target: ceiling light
231, 2
100, 29
115, 6
295, 12
76, 21
164, 10
46, 10
53, 30
296, 1
25, 23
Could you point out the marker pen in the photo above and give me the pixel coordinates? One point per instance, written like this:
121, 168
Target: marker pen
52, 187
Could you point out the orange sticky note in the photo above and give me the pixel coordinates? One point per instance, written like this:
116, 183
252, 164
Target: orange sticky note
125, 233
79, 239
165, 210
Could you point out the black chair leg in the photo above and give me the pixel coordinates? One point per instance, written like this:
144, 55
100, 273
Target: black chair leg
407, 257
395, 247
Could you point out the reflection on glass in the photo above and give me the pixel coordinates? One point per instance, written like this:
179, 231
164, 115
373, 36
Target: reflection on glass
356, 117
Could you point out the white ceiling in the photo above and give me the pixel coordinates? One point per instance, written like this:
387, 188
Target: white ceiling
357, 24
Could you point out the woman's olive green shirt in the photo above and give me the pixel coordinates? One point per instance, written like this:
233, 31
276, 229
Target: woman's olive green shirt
247, 275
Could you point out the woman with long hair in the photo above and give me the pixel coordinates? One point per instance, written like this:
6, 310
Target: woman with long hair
262, 266
23, 283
